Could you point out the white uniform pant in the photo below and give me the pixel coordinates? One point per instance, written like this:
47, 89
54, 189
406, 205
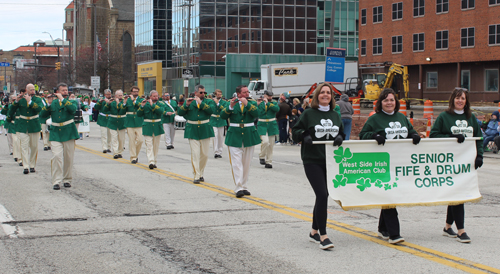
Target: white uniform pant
62, 161
199, 156
152, 147
266, 148
16, 140
240, 159
105, 138
29, 148
135, 140
218, 140
45, 136
169, 133
117, 141
10, 143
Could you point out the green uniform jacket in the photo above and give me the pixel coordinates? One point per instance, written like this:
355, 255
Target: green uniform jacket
386, 126
5, 111
322, 126
215, 119
44, 120
241, 136
132, 119
152, 125
117, 110
172, 108
195, 115
28, 125
268, 111
102, 120
447, 124
60, 113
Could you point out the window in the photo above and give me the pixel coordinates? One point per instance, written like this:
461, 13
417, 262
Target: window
494, 2
467, 37
494, 35
220, 45
397, 11
442, 39
465, 79
397, 44
363, 47
377, 46
377, 14
442, 6
363, 17
418, 8
491, 80
432, 79
418, 42
243, 38
468, 4
229, 42
236, 41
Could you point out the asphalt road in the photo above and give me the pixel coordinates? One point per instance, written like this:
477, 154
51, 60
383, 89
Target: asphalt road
124, 218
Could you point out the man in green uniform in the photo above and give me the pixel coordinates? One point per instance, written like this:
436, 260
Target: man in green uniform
267, 127
241, 137
116, 123
62, 137
197, 111
217, 123
43, 121
102, 121
133, 123
29, 107
168, 120
8, 124
152, 110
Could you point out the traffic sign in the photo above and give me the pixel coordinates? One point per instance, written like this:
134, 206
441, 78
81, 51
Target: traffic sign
187, 73
4, 88
95, 82
4, 64
335, 65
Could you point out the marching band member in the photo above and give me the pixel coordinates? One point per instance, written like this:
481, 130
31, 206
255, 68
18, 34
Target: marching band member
217, 123
116, 123
267, 127
133, 123
102, 121
151, 110
168, 120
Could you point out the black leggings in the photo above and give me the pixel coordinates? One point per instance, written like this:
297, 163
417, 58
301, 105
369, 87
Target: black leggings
316, 174
456, 214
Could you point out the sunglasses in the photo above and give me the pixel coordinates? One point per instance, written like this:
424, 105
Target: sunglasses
462, 89
202, 92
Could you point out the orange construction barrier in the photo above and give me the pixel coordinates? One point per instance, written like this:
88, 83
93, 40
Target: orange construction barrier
402, 107
428, 132
498, 107
428, 109
356, 107
374, 108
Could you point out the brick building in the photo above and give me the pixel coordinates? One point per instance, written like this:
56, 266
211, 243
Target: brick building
444, 43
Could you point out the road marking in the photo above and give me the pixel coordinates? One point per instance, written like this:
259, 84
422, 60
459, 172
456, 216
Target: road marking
13, 231
413, 249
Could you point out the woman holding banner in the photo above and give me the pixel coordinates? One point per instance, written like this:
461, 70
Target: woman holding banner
386, 118
458, 122
319, 123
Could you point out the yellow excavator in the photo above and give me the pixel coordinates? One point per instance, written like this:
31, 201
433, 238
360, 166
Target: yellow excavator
373, 87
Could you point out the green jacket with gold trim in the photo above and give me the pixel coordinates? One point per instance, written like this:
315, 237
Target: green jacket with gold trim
63, 128
102, 120
172, 108
267, 111
116, 116
198, 119
132, 119
5, 111
152, 125
241, 135
215, 120
43, 120
28, 115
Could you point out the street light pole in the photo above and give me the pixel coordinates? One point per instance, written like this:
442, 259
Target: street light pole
54, 42
5, 74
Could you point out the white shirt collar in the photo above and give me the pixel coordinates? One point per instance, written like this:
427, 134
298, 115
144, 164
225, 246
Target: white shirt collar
324, 108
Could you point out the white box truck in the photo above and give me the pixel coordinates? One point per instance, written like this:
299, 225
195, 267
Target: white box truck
295, 78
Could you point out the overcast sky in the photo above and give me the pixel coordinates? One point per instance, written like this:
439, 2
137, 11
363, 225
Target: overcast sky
23, 22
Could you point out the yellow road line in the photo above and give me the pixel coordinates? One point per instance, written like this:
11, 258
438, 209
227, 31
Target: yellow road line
416, 250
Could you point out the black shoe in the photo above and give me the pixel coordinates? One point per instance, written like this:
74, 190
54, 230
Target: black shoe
268, 166
216, 156
67, 185
196, 181
120, 156
246, 192
396, 239
10, 153
384, 235
134, 161
314, 238
219, 156
449, 233
463, 238
56, 187
326, 244
172, 147
104, 151
169, 147
21, 164
202, 179
151, 166
45, 148
50, 148
155, 166
32, 170
262, 161
108, 150
116, 156
15, 160
240, 194
26, 171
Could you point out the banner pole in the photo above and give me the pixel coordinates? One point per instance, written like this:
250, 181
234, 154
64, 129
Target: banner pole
399, 140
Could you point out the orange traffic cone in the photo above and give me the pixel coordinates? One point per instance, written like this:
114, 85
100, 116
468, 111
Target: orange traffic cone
428, 132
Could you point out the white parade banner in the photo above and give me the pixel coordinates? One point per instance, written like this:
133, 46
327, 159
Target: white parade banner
85, 126
363, 175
